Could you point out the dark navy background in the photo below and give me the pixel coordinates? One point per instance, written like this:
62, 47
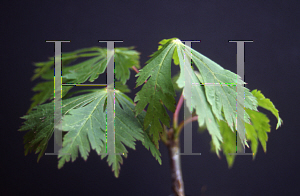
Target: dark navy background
271, 65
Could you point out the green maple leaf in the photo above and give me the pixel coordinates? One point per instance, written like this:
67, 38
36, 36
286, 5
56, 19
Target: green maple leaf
229, 142
89, 69
255, 131
45, 70
199, 102
87, 125
157, 91
40, 122
221, 98
127, 130
268, 105
84, 124
260, 123
258, 130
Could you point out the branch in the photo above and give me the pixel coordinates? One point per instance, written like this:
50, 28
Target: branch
175, 116
191, 119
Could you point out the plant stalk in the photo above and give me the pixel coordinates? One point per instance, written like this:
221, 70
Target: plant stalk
175, 165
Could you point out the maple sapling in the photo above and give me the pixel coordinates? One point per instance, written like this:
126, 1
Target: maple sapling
210, 94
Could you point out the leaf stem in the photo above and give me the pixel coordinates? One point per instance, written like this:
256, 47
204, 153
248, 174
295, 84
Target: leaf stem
135, 69
175, 115
191, 119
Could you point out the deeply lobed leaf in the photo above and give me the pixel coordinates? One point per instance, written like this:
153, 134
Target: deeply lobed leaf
268, 105
221, 96
84, 126
40, 122
255, 131
198, 101
157, 92
89, 69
